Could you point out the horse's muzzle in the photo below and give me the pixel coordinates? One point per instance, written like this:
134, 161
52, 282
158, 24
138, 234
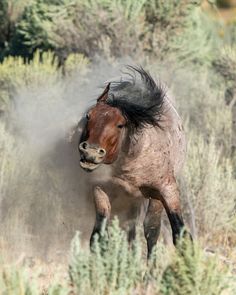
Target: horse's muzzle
91, 156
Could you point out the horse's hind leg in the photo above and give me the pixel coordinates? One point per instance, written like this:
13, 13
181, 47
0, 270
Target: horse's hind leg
171, 201
133, 215
103, 210
152, 224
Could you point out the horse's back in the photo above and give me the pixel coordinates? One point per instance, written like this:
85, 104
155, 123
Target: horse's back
175, 135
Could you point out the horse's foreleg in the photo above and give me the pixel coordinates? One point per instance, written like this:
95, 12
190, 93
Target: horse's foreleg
171, 202
152, 224
103, 210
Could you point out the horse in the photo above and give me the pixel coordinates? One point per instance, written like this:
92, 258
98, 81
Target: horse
135, 129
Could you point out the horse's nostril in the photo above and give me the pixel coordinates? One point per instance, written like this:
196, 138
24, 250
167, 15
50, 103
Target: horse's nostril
84, 145
102, 152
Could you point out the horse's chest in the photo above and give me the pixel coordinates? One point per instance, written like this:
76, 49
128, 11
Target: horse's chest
139, 173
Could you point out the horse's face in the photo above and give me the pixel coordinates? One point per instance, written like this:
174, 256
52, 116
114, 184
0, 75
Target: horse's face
101, 137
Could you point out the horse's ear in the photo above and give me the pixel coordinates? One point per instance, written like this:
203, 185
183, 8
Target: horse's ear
103, 97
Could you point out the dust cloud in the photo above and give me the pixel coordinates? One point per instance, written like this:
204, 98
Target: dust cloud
47, 197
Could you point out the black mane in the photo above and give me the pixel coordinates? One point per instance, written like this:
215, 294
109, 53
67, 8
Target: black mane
140, 100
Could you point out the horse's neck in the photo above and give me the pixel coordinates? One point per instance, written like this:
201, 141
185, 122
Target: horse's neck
131, 146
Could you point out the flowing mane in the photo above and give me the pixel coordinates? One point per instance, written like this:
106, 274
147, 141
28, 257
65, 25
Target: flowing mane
140, 99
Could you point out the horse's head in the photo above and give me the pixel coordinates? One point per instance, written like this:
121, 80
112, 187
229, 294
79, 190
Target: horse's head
134, 103
102, 134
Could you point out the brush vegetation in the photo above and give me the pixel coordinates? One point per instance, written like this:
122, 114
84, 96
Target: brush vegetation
114, 267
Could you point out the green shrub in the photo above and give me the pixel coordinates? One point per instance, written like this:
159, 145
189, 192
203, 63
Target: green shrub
226, 3
192, 272
119, 28
116, 268
109, 28
208, 188
200, 41
20, 281
10, 13
112, 268
225, 65
35, 28
167, 21
16, 281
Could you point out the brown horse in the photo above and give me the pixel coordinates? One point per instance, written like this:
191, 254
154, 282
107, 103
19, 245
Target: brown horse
135, 129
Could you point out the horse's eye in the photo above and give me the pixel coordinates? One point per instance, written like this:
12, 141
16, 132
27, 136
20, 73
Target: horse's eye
120, 126
87, 116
